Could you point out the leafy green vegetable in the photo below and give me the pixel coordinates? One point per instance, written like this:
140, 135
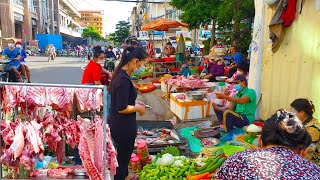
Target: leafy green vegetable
171, 150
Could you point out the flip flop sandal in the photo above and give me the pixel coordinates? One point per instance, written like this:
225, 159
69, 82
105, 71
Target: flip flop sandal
135, 177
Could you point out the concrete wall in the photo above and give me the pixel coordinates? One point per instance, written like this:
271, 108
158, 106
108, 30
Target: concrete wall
294, 70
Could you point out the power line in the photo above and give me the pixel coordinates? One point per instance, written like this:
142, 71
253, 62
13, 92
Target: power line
88, 2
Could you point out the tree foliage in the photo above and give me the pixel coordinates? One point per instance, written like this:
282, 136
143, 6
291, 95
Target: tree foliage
233, 17
121, 33
92, 32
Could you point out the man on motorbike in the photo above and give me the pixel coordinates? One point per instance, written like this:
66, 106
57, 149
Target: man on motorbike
52, 52
23, 65
13, 54
109, 53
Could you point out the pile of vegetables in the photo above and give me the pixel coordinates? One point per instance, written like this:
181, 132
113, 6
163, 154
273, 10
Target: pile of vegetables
169, 165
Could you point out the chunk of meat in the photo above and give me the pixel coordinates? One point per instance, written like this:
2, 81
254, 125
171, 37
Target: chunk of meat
31, 136
98, 145
60, 150
9, 97
59, 172
38, 173
18, 142
7, 133
26, 159
72, 132
84, 152
60, 99
31, 98
89, 99
111, 153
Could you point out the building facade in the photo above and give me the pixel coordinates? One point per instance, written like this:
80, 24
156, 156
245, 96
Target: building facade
69, 15
93, 18
144, 12
23, 19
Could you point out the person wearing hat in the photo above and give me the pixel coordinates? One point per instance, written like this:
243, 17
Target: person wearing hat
219, 48
242, 69
241, 111
215, 68
24, 68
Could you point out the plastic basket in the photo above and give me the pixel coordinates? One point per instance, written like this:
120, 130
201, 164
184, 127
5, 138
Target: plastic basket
242, 139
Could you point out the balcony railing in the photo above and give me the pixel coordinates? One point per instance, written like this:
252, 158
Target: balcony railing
18, 2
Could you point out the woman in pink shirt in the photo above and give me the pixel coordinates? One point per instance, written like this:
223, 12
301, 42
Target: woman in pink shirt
242, 69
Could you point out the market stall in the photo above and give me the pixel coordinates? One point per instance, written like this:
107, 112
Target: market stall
170, 163
34, 143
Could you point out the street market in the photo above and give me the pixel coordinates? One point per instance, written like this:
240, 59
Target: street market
196, 93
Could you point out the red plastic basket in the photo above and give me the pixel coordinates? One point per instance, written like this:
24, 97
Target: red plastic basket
150, 87
157, 60
169, 59
174, 69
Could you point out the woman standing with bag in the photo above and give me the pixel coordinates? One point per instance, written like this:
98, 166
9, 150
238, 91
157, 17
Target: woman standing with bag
122, 117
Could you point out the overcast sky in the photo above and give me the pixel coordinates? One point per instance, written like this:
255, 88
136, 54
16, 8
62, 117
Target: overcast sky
113, 11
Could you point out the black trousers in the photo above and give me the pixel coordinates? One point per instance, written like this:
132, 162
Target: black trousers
123, 135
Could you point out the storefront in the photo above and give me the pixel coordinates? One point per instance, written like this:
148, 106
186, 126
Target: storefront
18, 20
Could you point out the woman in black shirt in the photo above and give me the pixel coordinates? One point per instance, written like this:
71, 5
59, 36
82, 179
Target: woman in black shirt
122, 117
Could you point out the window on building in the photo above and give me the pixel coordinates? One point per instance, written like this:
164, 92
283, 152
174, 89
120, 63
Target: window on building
168, 14
18, 2
174, 14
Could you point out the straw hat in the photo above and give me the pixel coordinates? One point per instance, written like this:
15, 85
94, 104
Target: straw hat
213, 56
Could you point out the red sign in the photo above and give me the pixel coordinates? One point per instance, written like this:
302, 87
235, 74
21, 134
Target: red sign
33, 43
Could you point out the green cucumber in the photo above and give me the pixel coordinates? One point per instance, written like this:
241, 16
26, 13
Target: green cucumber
216, 165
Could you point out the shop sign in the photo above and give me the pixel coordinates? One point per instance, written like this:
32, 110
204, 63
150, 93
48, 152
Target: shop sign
33, 43
184, 33
205, 34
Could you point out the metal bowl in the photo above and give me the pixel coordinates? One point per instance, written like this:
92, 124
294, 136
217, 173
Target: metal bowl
221, 78
198, 95
80, 173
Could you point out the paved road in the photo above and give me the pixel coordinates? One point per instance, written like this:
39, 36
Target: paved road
64, 70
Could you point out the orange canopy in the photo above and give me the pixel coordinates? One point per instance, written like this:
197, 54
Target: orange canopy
162, 25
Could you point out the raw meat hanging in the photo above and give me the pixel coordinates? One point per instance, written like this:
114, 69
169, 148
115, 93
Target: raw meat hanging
25, 145
86, 154
31, 98
90, 152
52, 131
60, 99
89, 99
9, 97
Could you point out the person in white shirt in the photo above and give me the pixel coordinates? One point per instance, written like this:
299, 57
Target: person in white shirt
219, 48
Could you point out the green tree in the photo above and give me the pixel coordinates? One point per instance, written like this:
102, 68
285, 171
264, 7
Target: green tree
233, 17
236, 15
121, 33
92, 32
199, 13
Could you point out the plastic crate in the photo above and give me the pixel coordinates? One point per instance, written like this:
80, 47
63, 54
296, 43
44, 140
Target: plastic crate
242, 139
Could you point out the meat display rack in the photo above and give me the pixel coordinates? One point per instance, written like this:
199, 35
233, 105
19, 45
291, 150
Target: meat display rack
105, 111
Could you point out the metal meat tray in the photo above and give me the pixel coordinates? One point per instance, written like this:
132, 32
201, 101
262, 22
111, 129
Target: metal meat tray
148, 125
